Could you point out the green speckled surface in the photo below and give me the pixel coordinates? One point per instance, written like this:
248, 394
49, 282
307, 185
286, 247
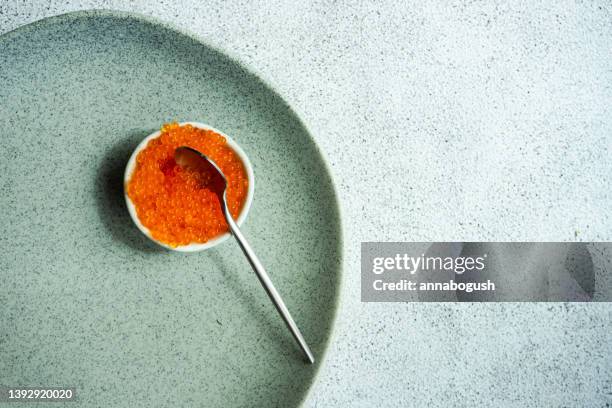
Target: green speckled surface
89, 302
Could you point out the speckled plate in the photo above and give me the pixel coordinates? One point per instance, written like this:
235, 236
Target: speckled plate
86, 300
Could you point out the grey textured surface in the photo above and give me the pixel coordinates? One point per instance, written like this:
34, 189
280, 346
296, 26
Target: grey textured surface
456, 121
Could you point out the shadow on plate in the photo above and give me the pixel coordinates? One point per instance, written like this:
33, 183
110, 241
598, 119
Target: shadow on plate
110, 198
272, 325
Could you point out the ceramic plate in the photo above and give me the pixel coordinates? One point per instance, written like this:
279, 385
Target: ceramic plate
86, 300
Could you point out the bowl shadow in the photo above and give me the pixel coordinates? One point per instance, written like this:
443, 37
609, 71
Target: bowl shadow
110, 196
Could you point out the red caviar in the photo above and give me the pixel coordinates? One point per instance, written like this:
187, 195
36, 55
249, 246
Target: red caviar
175, 203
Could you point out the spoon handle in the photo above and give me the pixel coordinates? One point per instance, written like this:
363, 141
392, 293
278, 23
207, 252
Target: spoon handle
269, 287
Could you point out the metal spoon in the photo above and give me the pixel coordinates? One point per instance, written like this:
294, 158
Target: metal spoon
188, 157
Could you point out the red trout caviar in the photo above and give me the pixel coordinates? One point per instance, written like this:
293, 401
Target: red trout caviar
175, 203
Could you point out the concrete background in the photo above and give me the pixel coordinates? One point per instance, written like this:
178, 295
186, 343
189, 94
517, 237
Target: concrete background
447, 121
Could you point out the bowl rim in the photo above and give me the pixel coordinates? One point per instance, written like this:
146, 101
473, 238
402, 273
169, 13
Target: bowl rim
192, 247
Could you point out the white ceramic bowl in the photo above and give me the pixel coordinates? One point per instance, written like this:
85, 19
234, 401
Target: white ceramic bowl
131, 165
